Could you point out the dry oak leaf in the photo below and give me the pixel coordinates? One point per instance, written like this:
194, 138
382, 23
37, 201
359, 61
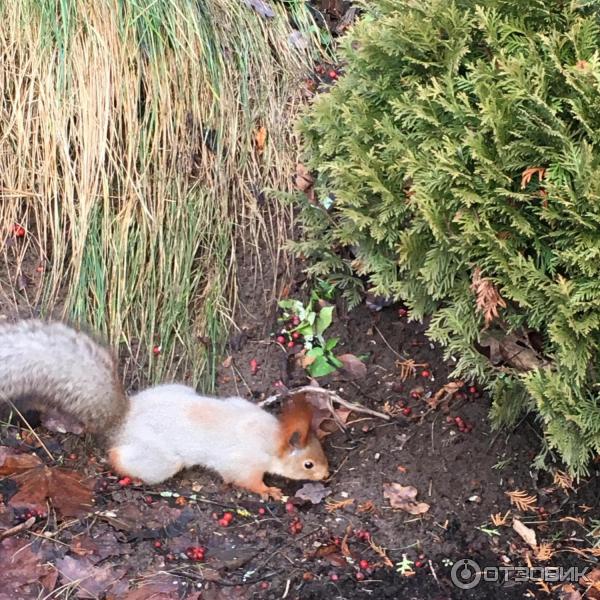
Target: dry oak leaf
13, 462
22, 569
512, 350
488, 299
70, 495
353, 366
404, 498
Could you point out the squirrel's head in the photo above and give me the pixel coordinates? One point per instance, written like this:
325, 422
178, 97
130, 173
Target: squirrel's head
300, 453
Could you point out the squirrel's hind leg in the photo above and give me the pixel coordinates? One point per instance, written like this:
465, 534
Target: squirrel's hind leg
142, 462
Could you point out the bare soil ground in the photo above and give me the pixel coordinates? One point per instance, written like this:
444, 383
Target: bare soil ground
134, 541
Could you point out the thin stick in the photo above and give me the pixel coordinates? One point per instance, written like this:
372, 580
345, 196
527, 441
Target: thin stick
35, 435
331, 396
17, 528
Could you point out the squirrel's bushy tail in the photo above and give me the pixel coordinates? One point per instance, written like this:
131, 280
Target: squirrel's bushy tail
48, 364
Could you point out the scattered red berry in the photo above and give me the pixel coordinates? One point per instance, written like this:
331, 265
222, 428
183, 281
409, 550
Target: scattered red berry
419, 563
364, 564
195, 553
264, 585
158, 544
18, 231
156, 350
295, 321
402, 312
280, 339
333, 74
125, 481
223, 522
290, 508
262, 511
415, 394
360, 576
334, 576
425, 373
406, 411
228, 516
295, 335
296, 527
290, 344
253, 366
472, 390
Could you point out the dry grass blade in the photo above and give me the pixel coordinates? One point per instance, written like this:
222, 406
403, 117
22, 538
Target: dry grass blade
522, 500
130, 157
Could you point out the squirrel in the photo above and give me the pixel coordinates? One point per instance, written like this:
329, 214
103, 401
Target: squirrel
153, 434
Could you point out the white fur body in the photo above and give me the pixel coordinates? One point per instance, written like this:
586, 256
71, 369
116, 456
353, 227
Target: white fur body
170, 427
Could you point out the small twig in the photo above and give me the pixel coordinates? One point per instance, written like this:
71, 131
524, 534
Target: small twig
331, 397
17, 528
387, 343
433, 572
35, 435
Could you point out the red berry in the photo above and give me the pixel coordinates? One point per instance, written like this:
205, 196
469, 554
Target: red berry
223, 522
295, 335
156, 350
18, 231
425, 373
360, 576
472, 390
264, 585
334, 577
419, 564
157, 544
415, 394
406, 411
290, 344
459, 421
261, 511
228, 516
289, 507
364, 564
253, 366
125, 481
280, 339
332, 74
295, 321
402, 312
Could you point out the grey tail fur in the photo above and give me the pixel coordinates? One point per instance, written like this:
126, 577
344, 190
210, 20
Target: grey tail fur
49, 365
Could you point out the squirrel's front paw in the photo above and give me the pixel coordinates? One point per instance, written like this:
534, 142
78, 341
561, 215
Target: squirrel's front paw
271, 492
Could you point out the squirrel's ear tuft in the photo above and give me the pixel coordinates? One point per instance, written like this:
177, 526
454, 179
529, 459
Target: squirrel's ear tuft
295, 422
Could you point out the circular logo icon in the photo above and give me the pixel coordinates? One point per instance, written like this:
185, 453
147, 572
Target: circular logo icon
465, 574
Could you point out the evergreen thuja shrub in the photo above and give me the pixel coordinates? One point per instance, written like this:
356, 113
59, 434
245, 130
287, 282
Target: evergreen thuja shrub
458, 163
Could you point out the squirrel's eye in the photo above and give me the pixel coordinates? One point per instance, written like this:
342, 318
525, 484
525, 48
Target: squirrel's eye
308, 464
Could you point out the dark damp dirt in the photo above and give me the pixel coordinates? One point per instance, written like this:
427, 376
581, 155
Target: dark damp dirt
134, 543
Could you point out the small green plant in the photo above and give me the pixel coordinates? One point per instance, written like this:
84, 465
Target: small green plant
306, 325
404, 567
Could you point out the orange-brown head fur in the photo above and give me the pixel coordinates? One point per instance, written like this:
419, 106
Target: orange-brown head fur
300, 453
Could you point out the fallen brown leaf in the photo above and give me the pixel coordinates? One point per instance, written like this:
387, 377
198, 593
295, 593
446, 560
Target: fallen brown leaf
353, 366
445, 394
591, 581
512, 350
314, 492
404, 498
13, 462
91, 581
69, 494
526, 533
